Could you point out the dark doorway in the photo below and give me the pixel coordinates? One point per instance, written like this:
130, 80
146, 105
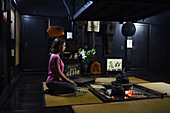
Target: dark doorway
34, 48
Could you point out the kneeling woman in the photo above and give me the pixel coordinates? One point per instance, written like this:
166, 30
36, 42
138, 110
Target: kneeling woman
56, 81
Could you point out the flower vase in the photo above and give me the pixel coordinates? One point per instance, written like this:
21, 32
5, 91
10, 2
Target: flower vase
84, 67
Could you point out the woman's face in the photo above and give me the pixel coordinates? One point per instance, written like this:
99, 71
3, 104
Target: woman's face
63, 47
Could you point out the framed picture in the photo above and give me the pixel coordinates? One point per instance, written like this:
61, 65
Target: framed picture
4, 5
93, 26
114, 64
5, 16
69, 35
72, 70
129, 43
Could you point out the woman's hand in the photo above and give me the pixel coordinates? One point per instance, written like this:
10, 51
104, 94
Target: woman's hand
72, 82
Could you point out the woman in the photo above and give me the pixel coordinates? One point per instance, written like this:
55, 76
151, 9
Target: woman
56, 81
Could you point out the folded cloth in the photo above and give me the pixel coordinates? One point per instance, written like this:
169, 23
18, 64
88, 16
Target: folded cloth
79, 92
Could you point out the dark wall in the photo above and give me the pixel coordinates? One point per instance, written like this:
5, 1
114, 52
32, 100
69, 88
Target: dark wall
35, 42
3, 57
160, 24
5, 51
158, 50
137, 57
150, 52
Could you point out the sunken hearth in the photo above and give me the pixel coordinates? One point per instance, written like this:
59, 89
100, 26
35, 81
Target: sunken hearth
122, 90
135, 92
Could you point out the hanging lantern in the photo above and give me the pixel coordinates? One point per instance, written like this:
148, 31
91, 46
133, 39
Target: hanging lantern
128, 29
55, 31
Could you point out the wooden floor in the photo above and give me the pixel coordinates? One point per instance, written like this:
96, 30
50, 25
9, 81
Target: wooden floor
27, 96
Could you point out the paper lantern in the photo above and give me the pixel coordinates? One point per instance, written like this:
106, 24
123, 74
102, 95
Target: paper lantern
55, 31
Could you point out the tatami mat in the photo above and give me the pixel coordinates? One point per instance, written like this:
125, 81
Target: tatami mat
109, 80
137, 106
157, 86
53, 101
136, 80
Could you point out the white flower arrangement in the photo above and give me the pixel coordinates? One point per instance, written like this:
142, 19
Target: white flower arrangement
86, 55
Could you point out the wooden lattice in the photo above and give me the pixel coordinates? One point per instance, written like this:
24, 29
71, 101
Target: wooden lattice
96, 68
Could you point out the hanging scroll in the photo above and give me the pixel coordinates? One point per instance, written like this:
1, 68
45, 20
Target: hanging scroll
93, 26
